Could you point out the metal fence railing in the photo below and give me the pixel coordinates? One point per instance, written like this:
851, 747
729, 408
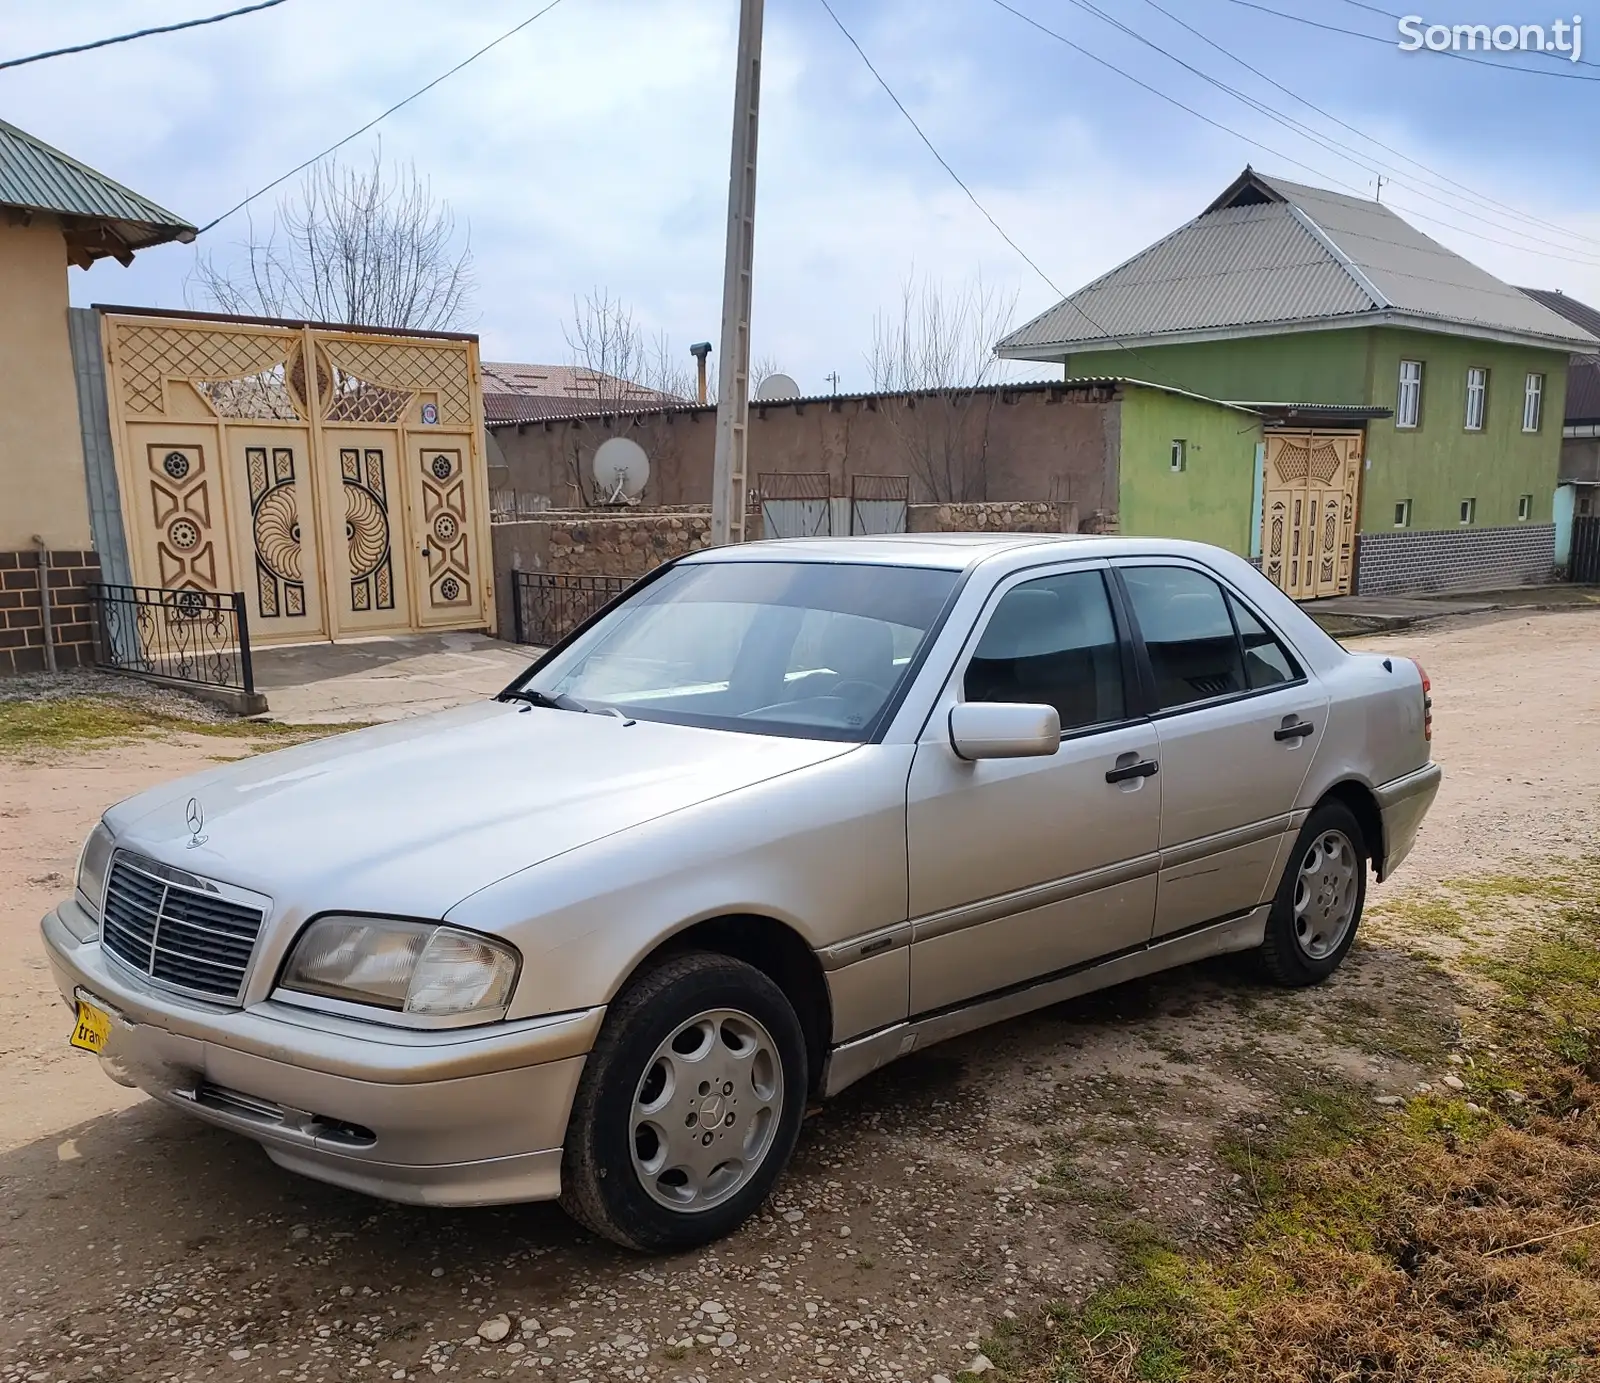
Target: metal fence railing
547, 606
198, 637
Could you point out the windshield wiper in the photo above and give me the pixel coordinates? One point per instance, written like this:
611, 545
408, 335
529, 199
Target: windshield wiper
559, 702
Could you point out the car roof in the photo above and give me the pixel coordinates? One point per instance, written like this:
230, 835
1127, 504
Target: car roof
951, 551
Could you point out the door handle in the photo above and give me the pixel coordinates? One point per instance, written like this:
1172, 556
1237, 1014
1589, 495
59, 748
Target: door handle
1144, 768
1297, 731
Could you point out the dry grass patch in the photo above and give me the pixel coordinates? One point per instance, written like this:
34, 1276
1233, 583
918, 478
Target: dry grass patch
1455, 1239
75, 722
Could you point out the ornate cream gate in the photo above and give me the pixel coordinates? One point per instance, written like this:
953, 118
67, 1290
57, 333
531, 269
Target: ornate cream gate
336, 477
1308, 517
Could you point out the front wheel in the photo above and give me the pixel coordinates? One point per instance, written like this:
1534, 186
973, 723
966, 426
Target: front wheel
688, 1108
1318, 904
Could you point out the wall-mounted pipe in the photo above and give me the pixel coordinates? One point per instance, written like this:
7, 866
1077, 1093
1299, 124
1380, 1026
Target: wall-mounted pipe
44, 605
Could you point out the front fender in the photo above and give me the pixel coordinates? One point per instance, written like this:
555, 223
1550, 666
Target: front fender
821, 849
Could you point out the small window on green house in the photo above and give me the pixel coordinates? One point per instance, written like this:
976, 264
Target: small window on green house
1408, 399
1532, 403
1402, 514
1524, 508
1180, 454
1469, 510
1477, 398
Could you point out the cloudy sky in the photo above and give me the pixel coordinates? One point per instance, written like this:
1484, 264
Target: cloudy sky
590, 150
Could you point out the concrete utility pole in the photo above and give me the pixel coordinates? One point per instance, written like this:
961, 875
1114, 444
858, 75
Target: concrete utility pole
730, 473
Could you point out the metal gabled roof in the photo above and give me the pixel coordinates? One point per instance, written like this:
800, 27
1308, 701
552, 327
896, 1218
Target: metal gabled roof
1270, 255
115, 220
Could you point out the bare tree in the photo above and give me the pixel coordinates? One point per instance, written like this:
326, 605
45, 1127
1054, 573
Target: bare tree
625, 384
936, 353
360, 245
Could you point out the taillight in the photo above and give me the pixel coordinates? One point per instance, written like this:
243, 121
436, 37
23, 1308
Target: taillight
1427, 703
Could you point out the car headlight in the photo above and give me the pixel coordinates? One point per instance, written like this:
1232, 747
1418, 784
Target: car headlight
94, 863
407, 967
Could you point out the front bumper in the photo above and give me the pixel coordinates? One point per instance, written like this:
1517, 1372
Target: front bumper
464, 1116
1402, 804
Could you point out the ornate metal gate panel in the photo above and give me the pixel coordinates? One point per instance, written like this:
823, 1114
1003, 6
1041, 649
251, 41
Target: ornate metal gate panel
1309, 512
335, 477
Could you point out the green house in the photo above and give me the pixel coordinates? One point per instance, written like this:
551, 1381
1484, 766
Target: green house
1413, 402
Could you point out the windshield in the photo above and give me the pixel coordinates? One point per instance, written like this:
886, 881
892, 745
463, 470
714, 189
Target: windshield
811, 649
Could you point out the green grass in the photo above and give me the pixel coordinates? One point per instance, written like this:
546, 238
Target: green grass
85, 721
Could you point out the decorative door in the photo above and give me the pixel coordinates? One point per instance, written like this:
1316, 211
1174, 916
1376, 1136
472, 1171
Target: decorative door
450, 562
275, 532
1309, 512
336, 478
364, 529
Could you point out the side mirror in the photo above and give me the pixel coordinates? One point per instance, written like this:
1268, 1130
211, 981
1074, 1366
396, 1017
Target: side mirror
1004, 730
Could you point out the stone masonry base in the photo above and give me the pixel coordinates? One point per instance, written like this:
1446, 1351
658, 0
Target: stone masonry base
1454, 559
21, 613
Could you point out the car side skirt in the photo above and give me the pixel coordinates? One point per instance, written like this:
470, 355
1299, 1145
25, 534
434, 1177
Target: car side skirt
850, 1061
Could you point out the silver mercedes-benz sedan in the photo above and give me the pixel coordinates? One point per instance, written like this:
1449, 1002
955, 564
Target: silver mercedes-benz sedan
782, 813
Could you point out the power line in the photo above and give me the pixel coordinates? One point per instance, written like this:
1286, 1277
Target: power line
420, 91
1329, 115
1364, 161
1276, 153
971, 196
139, 33
943, 162
1389, 42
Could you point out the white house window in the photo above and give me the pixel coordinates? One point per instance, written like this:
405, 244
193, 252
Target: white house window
1402, 514
1532, 402
1477, 397
1180, 454
1408, 407
1524, 508
1469, 510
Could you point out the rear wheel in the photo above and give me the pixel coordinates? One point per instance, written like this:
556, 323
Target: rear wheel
688, 1108
1319, 901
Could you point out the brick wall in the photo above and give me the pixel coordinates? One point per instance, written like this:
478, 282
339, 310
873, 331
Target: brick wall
21, 614
1455, 559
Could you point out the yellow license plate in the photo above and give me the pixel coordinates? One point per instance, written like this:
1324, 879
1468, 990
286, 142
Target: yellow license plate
93, 1029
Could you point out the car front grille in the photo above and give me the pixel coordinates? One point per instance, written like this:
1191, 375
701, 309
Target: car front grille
180, 935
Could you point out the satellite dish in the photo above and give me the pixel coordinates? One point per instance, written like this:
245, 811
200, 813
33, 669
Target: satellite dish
775, 388
621, 469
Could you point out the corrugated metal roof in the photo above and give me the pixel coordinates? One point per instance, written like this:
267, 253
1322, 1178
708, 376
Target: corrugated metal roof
1579, 314
35, 177
1273, 253
567, 410
1583, 391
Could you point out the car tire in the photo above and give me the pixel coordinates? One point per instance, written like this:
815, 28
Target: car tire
1317, 908
701, 1058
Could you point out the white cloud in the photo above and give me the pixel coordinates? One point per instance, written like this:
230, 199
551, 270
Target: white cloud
591, 150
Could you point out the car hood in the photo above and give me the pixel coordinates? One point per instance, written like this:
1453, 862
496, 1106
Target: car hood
414, 816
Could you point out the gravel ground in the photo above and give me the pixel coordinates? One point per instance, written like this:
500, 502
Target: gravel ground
106, 686
946, 1193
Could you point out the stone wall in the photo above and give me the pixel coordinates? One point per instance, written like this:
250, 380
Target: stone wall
22, 612
1454, 559
588, 542
1017, 516
626, 546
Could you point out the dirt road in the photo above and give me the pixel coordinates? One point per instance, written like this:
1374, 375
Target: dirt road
936, 1199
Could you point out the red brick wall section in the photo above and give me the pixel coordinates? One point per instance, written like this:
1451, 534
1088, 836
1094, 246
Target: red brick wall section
21, 617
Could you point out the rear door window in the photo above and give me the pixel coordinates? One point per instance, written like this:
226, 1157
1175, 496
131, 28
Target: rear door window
1188, 634
1266, 661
